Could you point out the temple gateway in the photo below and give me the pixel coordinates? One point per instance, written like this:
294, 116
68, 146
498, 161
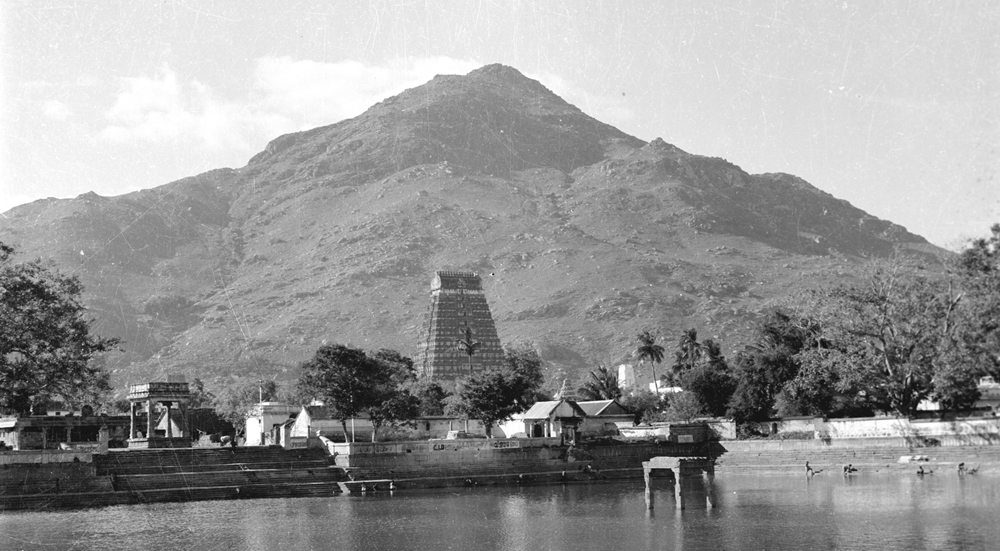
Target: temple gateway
461, 337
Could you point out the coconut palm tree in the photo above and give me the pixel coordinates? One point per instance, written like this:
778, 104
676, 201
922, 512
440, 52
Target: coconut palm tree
602, 385
689, 351
648, 349
468, 346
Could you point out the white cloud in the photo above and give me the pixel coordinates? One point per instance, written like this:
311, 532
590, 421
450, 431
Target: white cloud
154, 109
286, 95
56, 110
305, 94
10, 199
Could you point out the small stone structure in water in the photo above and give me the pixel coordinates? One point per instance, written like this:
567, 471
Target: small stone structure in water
689, 473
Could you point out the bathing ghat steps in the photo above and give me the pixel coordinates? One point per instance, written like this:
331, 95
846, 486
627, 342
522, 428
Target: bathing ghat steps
881, 459
140, 476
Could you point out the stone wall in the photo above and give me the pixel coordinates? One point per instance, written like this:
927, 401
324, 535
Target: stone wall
39, 457
958, 432
450, 458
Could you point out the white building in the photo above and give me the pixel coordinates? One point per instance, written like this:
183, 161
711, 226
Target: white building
626, 378
263, 418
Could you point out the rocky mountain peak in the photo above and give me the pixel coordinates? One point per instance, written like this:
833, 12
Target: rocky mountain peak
333, 234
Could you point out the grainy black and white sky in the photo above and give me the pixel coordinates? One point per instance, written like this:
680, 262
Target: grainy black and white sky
893, 106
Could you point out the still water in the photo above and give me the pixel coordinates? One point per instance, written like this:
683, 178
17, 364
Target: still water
866, 511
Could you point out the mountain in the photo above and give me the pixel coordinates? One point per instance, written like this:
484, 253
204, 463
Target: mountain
582, 233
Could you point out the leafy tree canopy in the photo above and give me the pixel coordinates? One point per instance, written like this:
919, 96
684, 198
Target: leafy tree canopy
710, 380
890, 339
236, 400
494, 395
683, 407
978, 271
643, 404
431, 394
351, 382
764, 368
46, 348
688, 353
602, 384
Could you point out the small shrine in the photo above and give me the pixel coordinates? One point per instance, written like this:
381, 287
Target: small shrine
167, 394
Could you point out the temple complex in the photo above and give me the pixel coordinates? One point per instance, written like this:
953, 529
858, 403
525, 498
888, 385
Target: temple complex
459, 323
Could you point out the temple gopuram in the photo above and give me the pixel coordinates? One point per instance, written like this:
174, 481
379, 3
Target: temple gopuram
459, 319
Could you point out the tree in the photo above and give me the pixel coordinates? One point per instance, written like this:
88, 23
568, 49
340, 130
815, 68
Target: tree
978, 273
494, 395
339, 376
710, 380
891, 337
648, 349
391, 402
200, 397
643, 404
765, 368
602, 384
683, 407
46, 347
351, 382
237, 400
468, 346
688, 353
431, 394
524, 361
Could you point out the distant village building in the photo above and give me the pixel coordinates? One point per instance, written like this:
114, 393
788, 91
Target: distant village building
604, 417
989, 395
264, 419
72, 430
313, 421
988, 402
550, 419
458, 312
626, 378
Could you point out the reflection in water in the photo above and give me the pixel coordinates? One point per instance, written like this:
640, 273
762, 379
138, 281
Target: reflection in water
866, 511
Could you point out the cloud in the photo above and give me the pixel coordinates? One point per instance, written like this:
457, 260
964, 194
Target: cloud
9, 200
286, 95
289, 95
156, 109
305, 94
55, 110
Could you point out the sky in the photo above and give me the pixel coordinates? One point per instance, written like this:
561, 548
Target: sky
892, 106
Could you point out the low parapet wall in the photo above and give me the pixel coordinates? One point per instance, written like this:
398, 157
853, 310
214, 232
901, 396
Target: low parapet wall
956, 432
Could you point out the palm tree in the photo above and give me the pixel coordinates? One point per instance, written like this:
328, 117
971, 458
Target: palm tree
648, 349
602, 385
468, 345
688, 353
712, 353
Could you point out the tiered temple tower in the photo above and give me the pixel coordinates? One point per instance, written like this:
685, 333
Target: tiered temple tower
458, 311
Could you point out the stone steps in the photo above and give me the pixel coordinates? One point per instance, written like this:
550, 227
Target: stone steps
135, 476
872, 459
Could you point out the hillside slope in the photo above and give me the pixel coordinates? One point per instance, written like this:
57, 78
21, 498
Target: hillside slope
583, 235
